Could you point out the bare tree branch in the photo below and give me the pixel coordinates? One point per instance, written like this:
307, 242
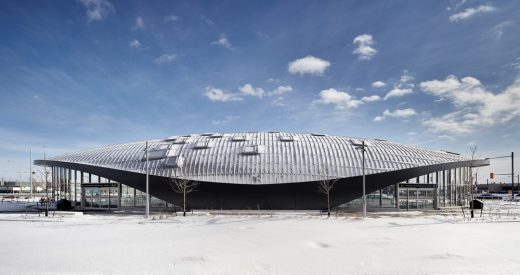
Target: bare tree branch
325, 186
182, 185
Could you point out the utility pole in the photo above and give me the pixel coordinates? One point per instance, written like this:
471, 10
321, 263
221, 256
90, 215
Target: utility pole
512, 176
147, 183
362, 147
30, 171
364, 188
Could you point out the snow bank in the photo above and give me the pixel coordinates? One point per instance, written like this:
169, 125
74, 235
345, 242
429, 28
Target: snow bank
268, 244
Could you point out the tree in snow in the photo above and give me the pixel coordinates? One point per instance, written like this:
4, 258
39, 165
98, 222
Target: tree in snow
325, 187
182, 185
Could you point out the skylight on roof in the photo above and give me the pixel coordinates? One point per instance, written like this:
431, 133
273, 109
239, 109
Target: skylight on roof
174, 162
180, 140
171, 138
201, 144
286, 138
154, 154
239, 138
250, 150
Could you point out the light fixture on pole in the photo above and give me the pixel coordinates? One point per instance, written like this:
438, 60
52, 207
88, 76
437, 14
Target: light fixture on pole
147, 182
362, 147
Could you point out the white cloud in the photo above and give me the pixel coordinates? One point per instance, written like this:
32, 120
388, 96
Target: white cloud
135, 44
280, 90
399, 113
371, 98
397, 92
248, 89
364, 49
404, 87
97, 9
342, 100
476, 107
470, 12
308, 65
227, 119
279, 101
139, 24
462, 92
378, 84
446, 137
406, 78
164, 59
499, 29
170, 18
215, 94
207, 20
223, 42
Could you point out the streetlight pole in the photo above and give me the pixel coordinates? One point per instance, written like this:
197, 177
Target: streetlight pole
364, 187
30, 171
362, 147
512, 176
147, 183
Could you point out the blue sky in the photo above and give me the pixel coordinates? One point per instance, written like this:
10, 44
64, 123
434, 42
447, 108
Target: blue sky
87, 73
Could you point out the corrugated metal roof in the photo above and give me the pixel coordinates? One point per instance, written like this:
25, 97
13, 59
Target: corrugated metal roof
308, 157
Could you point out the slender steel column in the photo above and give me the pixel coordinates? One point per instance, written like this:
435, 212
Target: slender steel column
147, 183
512, 176
30, 172
76, 186
444, 187
455, 184
396, 190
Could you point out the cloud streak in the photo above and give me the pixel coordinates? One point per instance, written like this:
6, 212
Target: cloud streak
223, 42
399, 113
97, 10
165, 59
218, 95
470, 12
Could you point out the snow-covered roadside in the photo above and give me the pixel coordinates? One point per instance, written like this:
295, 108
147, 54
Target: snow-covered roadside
279, 244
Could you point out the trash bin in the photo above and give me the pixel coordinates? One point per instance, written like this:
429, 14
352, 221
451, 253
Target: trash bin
63, 204
476, 204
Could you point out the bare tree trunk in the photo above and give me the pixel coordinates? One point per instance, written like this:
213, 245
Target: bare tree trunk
328, 205
184, 186
184, 204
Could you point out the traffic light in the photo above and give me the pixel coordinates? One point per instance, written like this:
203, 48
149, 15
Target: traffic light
491, 175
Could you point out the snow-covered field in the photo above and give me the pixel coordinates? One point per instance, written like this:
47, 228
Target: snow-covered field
283, 243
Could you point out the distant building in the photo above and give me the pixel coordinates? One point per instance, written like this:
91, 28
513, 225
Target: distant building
14, 187
262, 170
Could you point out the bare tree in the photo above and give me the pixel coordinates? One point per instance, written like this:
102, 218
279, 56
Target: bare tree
44, 178
182, 185
325, 187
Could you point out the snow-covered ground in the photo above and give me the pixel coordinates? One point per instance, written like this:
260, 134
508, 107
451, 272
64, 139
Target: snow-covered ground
283, 243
